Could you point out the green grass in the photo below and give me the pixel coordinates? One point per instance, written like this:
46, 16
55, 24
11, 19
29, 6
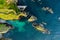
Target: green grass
3, 27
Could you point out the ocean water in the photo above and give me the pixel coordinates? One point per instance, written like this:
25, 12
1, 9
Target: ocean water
34, 8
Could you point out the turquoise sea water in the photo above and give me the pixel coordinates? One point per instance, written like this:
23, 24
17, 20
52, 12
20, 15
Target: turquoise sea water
53, 24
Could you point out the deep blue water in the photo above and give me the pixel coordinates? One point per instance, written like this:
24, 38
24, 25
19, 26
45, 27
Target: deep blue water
53, 24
